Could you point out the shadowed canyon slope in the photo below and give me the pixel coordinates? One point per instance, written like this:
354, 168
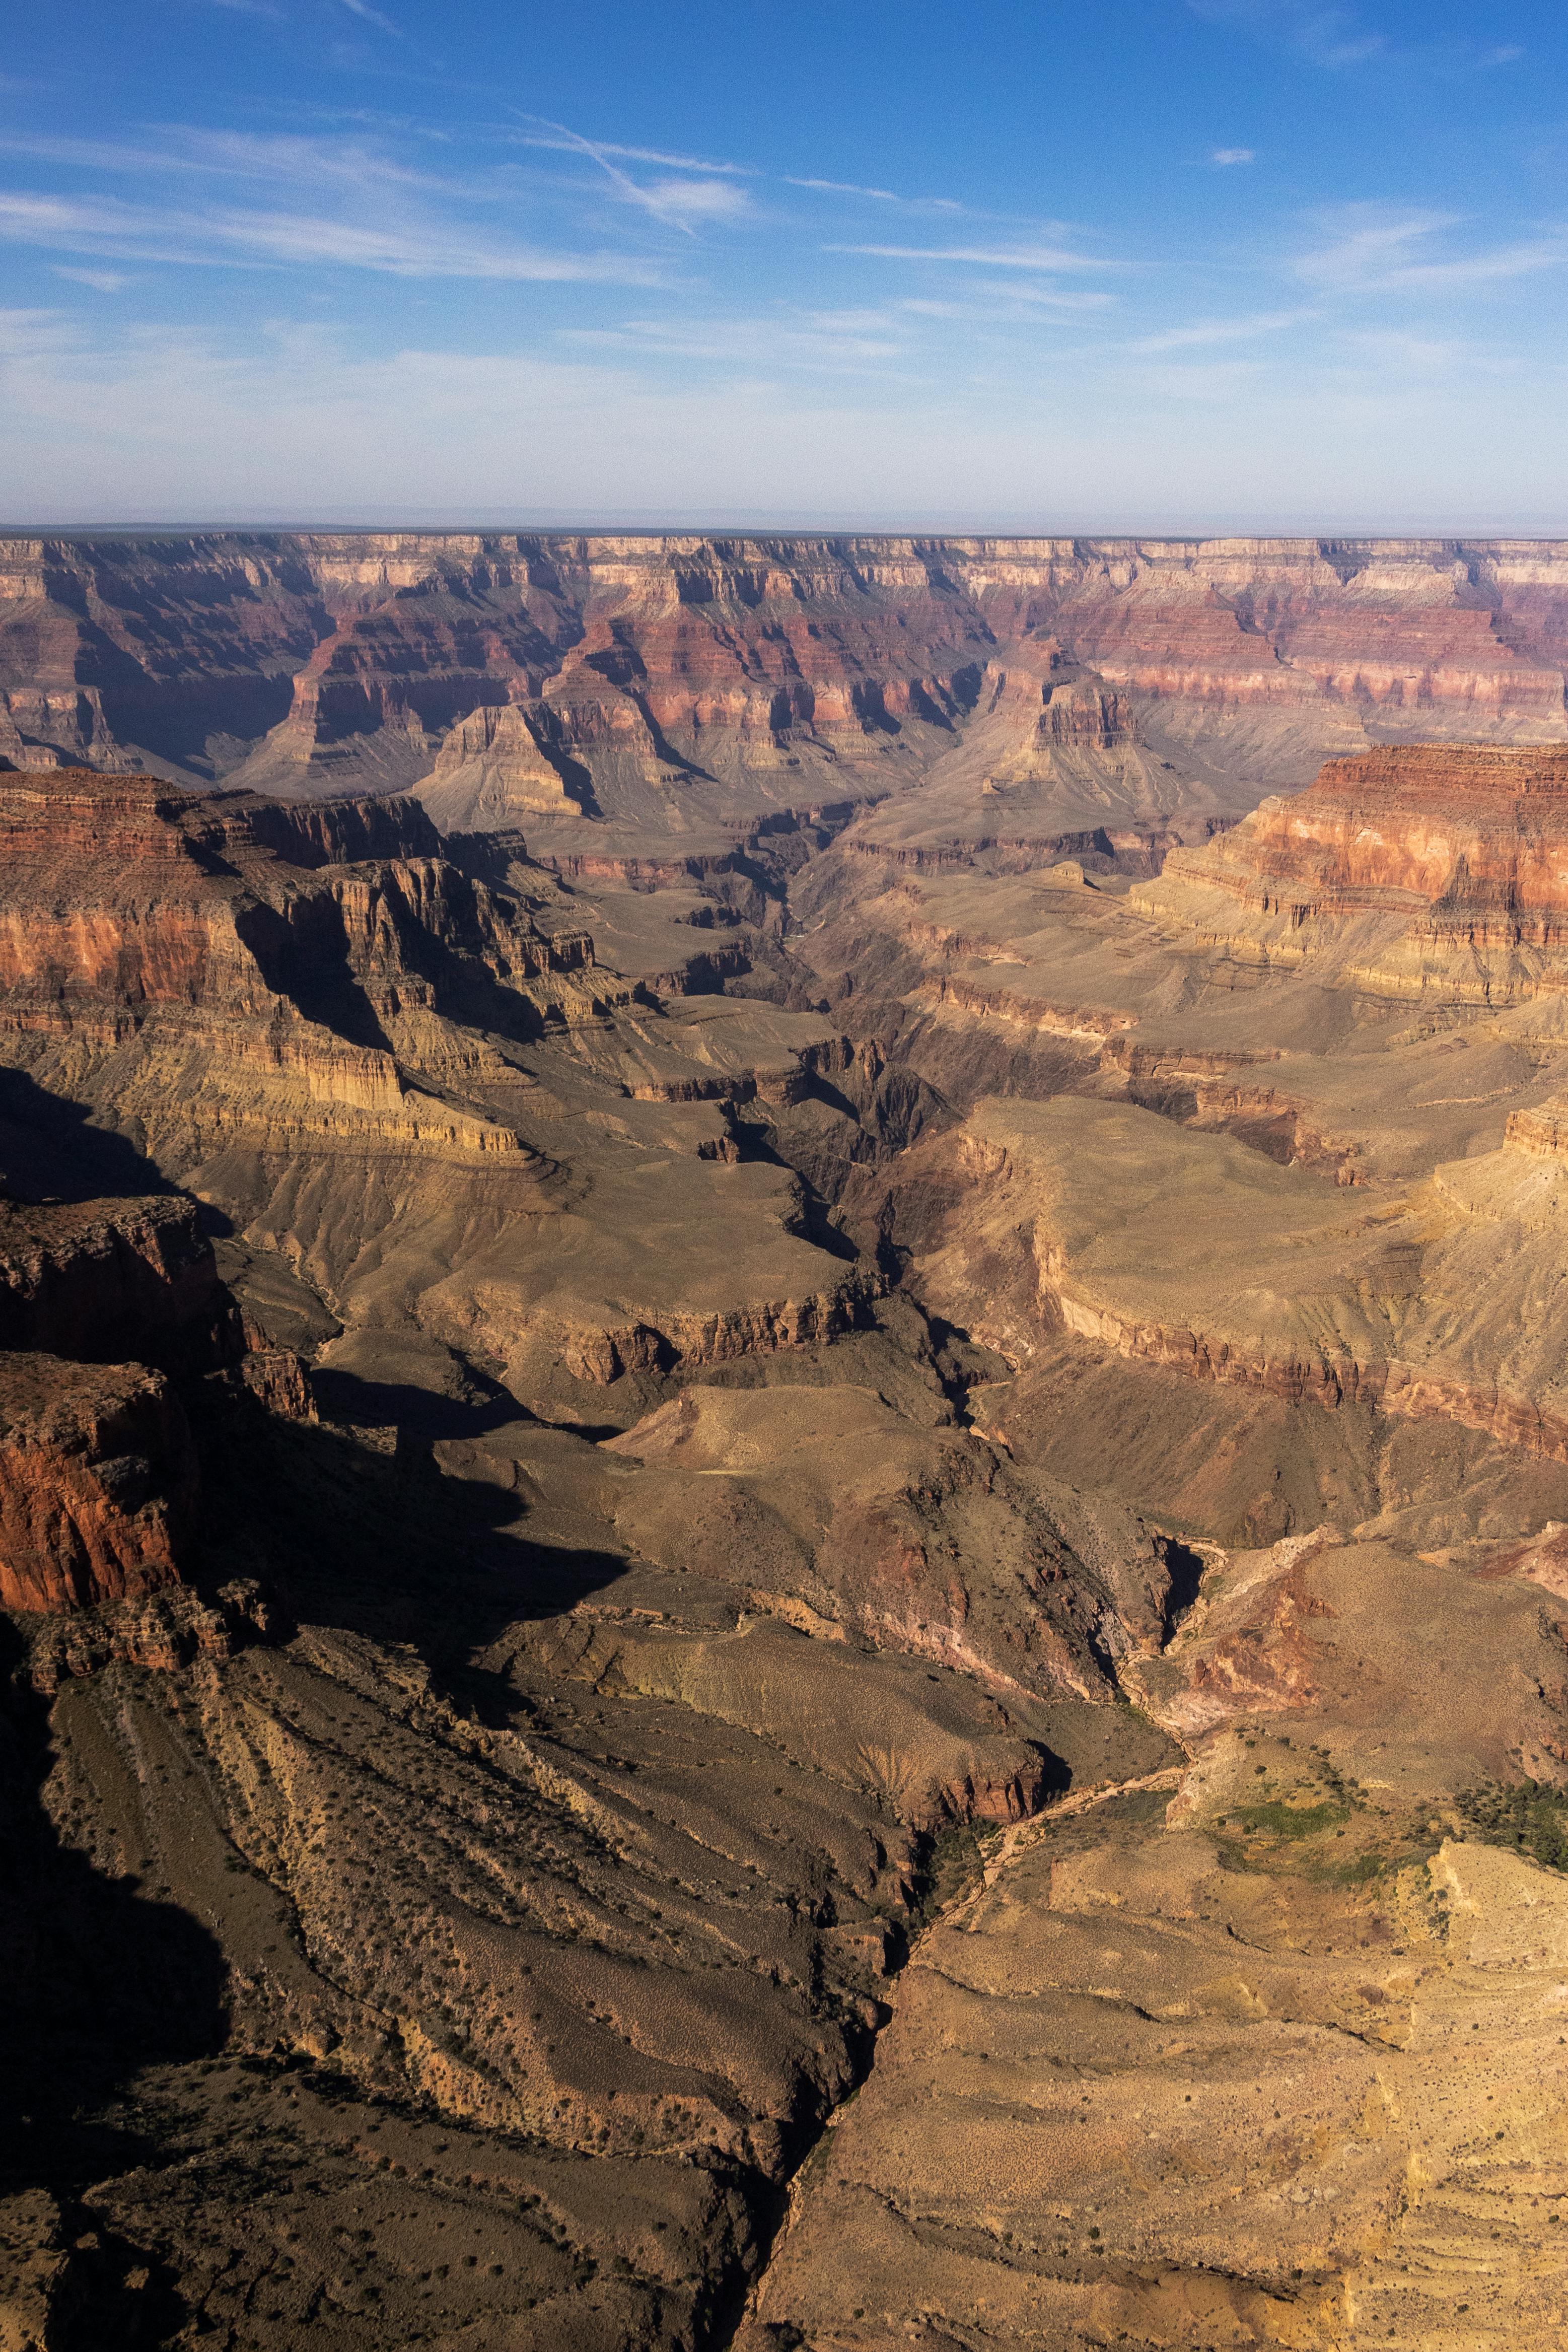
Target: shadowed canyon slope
783, 1461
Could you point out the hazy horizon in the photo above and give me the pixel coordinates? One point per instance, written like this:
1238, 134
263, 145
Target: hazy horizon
707, 522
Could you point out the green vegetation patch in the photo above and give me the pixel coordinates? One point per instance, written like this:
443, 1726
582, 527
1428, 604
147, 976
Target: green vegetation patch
1280, 1819
1527, 1815
1362, 1867
953, 1867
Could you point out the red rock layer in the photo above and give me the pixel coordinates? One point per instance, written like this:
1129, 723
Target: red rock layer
682, 651
97, 1483
1461, 824
1471, 844
283, 946
105, 1280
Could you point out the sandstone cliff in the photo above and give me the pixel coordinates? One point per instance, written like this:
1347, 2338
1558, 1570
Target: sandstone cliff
97, 1483
1435, 872
697, 685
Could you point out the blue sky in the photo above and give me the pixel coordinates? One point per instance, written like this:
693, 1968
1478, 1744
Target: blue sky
1157, 264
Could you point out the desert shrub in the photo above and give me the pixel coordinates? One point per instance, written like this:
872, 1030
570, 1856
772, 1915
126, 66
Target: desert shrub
1527, 1815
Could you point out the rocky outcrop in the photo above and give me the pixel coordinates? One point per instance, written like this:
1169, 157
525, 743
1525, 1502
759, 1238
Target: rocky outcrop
1541, 1132
259, 967
491, 771
97, 1472
105, 1280
1412, 872
97, 1483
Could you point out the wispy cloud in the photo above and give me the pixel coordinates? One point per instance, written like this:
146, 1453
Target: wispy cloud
1373, 249
1421, 355
1004, 299
216, 236
571, 143
1225, 157
1337, 37
175, 149
1036, 256
102, 281
1328, 36
374, 16
875, 195
1208, 333
831, 342
678, 202
843, 188
682, 202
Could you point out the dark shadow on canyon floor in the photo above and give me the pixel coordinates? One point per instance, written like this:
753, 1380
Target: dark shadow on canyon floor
376, 1539
103, 1978
50, 1149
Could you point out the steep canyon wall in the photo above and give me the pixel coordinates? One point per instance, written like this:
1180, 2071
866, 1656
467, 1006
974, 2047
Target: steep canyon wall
694, 684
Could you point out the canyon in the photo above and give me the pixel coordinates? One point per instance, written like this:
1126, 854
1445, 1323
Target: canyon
783, 1457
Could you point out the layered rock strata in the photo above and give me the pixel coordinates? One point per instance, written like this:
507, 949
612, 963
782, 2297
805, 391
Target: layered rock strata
739, 1511
691, 684
101, 1280
1433, 873
98, 1480
100, 1302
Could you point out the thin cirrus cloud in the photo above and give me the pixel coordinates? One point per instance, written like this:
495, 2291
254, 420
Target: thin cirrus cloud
372, 210
292, 159
232, 155
1038, 257
825, 341
1372, 249
102, 281
1205, 333
362, 8
1007, 297
843, 188
1225, 157
147, 233
875, 195
571, 143
1328, 36
679, 203
684, 202
1337, 37
995, 304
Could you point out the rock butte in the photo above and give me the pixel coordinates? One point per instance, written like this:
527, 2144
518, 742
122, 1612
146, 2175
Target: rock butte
779, 1319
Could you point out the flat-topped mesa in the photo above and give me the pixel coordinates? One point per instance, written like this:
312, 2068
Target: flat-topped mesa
1416, 870
57, 814
98, 872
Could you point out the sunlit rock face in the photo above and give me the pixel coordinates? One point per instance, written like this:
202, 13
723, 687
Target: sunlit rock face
1426, 871
690, 683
